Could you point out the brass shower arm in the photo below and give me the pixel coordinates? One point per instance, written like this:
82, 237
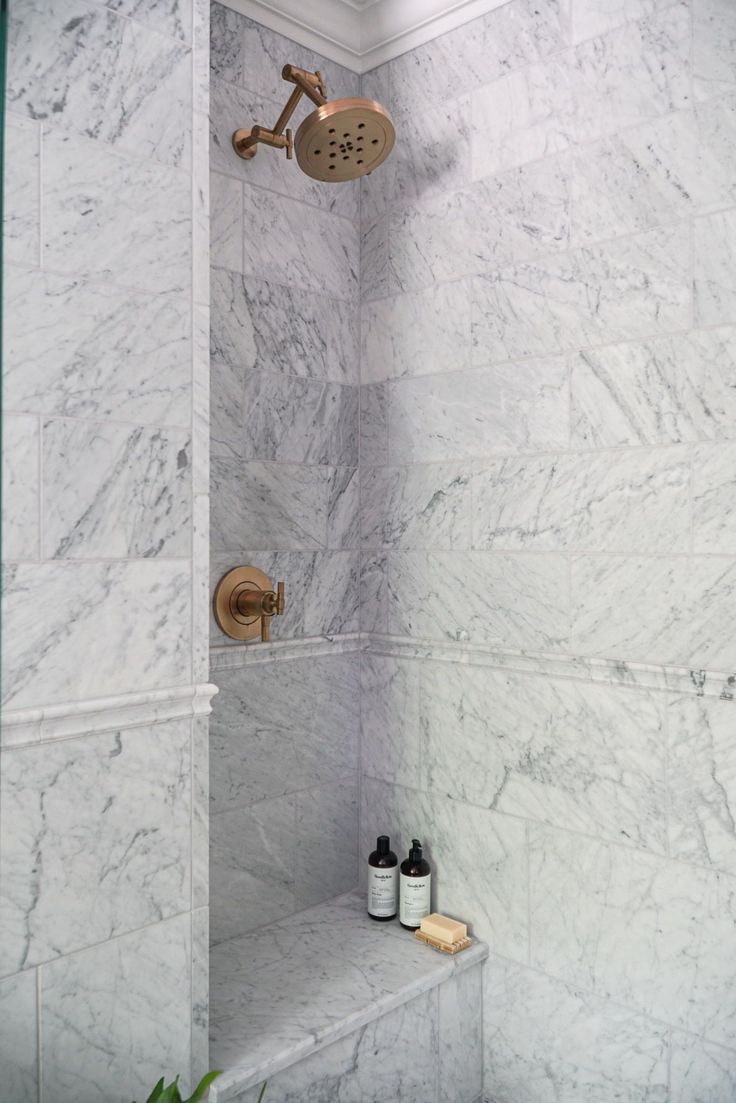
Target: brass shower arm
245, 142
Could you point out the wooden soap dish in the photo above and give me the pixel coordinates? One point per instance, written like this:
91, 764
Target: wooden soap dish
446, 947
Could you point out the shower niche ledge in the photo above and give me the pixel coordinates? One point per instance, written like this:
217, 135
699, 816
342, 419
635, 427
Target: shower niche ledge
329, 1005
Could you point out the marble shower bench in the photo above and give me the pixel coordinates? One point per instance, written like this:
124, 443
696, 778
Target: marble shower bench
329, 1006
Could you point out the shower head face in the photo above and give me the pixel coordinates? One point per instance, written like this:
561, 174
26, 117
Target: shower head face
344, 139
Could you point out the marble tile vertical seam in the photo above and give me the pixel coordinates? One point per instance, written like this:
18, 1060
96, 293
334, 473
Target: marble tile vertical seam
40, 196
39, 494
527, 847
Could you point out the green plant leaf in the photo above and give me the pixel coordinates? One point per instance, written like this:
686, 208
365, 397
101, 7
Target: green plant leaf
156, 1093
203, 1087
171, 1094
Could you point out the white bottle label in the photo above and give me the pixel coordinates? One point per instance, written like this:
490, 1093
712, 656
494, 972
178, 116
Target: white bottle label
414, 899
382, 891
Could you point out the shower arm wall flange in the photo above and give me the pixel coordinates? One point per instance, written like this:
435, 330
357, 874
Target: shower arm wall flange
245, 142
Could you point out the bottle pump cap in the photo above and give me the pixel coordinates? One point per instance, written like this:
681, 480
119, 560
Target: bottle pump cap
382, 844
415, 854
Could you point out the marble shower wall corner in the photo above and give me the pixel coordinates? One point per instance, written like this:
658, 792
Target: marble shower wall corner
547, 465
106, 425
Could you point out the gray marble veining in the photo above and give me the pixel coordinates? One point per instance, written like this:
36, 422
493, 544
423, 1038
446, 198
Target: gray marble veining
112, 491
714, 283
514, 407
662, 391
517, 601
700, 1071
282, 329
172, 17
45, 827
78, 348
415, 507
627, 289
20, 487
327, 825
21, 194
59, 659
714, 515
123, 1008
18, 1050
81, 67
546, 1040
714, 32
137, 233
588, 899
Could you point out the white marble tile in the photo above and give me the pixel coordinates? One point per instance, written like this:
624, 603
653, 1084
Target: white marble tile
200, 783
628, 502
200, 995
84, 349
252, 867
375, 276
226, 222
255, 729
373, 593
714, 243
580, 756
227, 43
321, 589
664, 610
81, 67
431, 157
465, 415
416, 334
426, 506
200, 588
714, 514
633, 288
289, 420
173, 17
58, 658
22, 190
232, 108
714, 38
460, 1004
515, 601
701, 1072
200, 208
394, 1057
591, 18
201, 65
374, 423
326, 842
716, 122
21, 487
489, 894
505, 39
343, 508
18, 1039
286, 243
79, 871
112, 491
546, 1042
513, 217
268, 506
654, 935
391, 744
283, 329
266, 53
636, 72
123, 1008
523, 116
702, 781
663, 391
120, 219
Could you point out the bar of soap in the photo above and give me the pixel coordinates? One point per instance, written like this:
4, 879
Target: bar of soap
446, 930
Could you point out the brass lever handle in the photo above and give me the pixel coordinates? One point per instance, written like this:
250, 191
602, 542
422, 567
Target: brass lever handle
244, 603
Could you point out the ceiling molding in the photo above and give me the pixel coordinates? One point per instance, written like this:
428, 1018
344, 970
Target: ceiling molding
361, 34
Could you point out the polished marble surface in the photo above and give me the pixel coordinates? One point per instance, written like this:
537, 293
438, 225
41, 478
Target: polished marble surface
295, 986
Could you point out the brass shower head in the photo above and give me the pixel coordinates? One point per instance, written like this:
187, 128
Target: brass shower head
344, 139
339, 141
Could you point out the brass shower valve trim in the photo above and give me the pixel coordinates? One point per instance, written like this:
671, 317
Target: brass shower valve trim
245, 601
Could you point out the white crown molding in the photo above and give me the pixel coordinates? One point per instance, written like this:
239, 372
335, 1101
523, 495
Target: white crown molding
361, 34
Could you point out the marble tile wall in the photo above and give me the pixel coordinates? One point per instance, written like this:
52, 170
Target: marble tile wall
285, 353
547, 465
103, 831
